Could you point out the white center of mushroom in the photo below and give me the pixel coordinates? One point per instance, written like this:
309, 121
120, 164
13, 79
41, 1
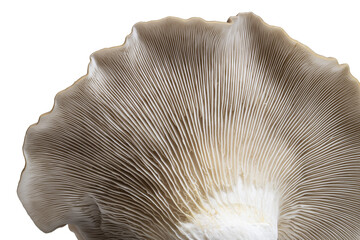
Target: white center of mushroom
246, 212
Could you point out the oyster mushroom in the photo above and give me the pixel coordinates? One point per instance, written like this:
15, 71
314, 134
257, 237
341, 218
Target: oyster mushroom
200, 130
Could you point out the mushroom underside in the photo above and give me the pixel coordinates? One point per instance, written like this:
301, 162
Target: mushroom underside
200, 130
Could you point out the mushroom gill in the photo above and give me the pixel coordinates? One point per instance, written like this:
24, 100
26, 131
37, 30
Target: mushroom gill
200, 130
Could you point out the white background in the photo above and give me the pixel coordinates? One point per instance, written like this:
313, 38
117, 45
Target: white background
45, 47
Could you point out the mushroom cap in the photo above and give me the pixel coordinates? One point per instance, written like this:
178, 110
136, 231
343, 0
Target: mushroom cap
200, 130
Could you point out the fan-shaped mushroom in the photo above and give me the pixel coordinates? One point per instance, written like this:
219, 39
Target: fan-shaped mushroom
200, 130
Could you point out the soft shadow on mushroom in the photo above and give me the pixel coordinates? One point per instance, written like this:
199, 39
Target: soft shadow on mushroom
200, 130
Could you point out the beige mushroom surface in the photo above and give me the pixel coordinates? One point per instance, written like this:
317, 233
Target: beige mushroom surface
200, 130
